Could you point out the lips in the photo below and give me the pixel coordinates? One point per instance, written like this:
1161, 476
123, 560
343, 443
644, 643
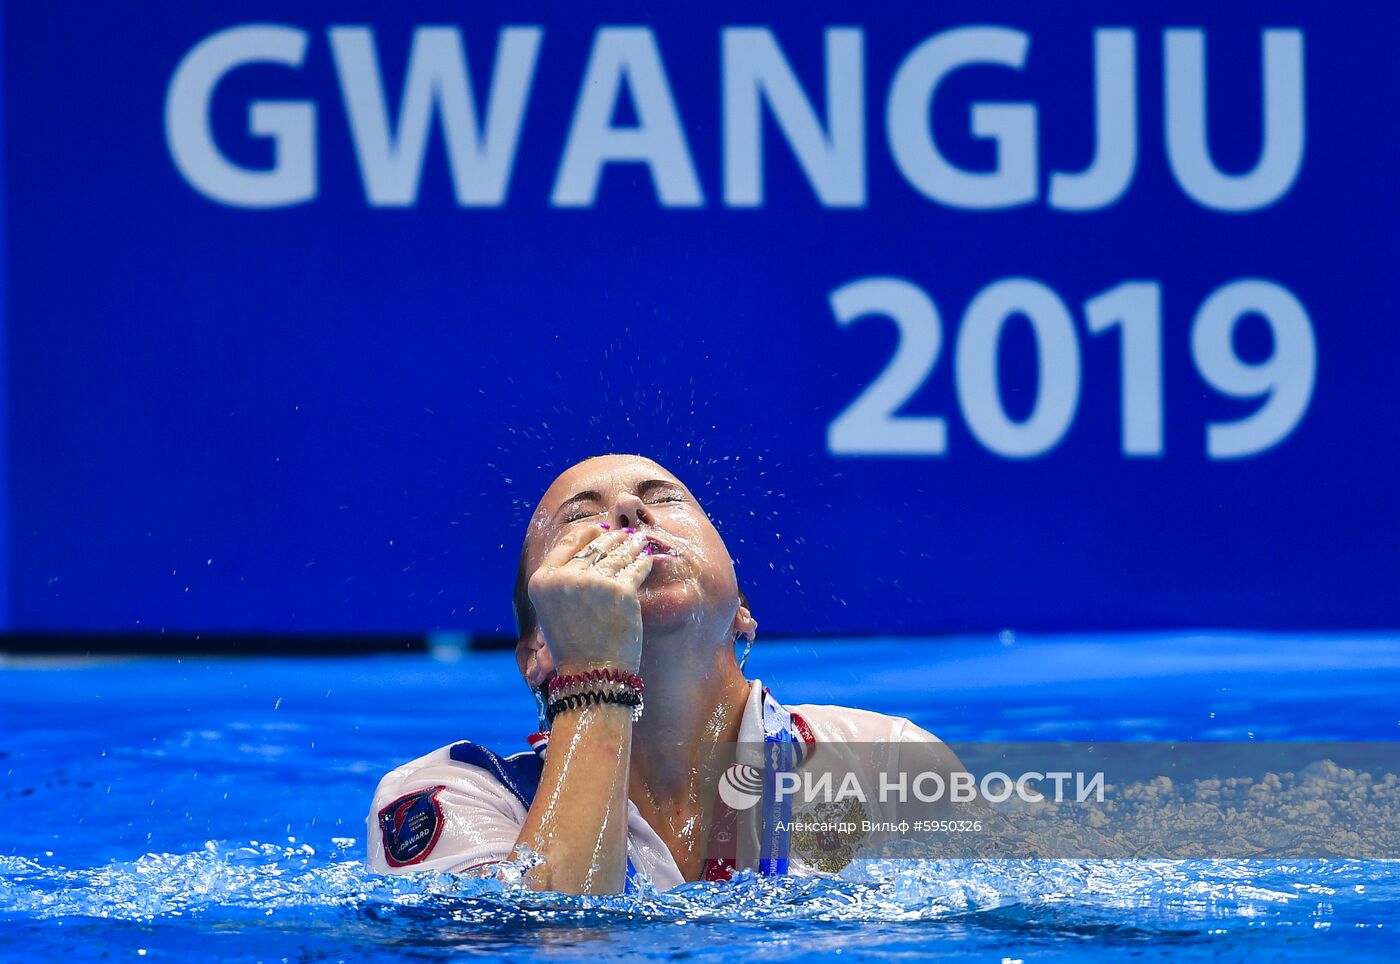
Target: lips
658, 548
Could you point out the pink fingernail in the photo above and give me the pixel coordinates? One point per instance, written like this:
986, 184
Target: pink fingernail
605, 525
647, 549
628, 529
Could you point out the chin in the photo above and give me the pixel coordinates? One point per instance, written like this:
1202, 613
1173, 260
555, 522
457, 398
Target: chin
668, 606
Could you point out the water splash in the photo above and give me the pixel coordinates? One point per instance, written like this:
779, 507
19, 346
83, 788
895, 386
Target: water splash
294, 901
270, 877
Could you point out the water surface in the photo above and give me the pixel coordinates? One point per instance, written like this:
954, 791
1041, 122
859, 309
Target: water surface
215, 809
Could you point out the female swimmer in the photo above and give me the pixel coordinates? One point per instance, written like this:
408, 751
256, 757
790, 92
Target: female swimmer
628, 609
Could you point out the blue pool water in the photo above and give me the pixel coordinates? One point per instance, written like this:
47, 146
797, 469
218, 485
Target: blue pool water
214, 809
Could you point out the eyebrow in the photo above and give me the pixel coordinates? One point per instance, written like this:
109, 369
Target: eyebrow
645, 487
586, 496
592, 495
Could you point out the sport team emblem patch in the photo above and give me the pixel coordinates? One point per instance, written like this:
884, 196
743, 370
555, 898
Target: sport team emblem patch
411, 826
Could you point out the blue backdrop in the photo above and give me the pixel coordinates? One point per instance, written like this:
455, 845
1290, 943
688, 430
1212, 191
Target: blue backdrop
956, 316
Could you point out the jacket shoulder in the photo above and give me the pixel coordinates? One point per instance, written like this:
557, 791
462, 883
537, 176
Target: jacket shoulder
444, 810
847, 724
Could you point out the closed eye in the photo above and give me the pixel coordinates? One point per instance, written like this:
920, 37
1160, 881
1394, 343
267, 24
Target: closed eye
580, 515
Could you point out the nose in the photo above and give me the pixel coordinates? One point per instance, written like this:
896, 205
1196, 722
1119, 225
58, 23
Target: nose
629, 510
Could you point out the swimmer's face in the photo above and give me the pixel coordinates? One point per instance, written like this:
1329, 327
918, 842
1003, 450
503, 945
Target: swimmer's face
692, 576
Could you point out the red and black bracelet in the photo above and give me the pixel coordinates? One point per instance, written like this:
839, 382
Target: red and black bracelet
593, 677
592, 698
594, 687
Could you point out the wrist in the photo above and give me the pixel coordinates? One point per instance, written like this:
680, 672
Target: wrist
599, 686
577, 667
610, 713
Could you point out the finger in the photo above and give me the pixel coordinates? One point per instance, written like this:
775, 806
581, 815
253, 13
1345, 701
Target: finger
569, 544
589, 555
635, 572
621, 555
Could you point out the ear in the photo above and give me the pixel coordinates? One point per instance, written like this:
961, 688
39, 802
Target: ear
533, 658
744, 624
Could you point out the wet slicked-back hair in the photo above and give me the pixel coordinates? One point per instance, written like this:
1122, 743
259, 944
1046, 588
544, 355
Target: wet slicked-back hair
520, 601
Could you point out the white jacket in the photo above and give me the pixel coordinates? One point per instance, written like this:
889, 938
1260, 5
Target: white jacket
445, 814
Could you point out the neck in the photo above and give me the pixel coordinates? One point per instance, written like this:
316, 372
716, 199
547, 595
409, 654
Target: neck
691, 704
